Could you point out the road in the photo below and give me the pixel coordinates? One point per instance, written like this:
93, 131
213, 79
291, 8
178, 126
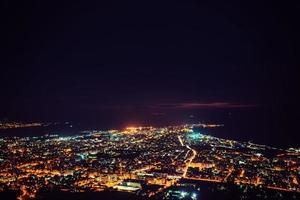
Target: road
189, 160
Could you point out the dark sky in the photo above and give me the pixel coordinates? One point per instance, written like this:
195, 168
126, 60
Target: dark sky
79, 60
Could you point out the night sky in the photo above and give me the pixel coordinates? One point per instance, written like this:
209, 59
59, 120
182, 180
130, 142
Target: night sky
137, 61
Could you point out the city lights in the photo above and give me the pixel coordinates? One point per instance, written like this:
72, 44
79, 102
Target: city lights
138, 158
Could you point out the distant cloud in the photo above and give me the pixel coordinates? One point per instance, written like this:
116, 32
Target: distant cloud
200, 105
159, 108
158, 114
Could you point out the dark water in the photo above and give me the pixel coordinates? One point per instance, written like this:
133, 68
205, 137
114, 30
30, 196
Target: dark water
62, 130
260, 125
